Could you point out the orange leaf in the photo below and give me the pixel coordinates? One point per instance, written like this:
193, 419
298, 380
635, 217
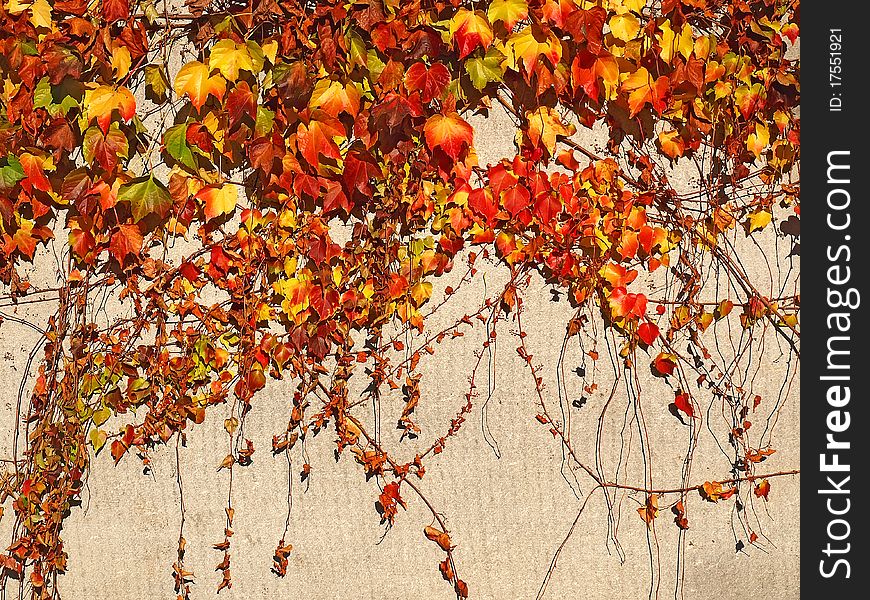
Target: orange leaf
650, 510
193, 79
449, 132
318, 138
680, 519
762, 489
126, 241
471, 31
102, 100
219, 199
712, 491
643, 89
439, 537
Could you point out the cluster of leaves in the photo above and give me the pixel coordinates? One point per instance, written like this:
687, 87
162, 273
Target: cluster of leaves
295, 125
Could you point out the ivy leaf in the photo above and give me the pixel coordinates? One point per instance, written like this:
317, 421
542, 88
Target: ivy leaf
432, 81
545, 125
115, 10
762, 489
757, 220
441, 538
105, 148
175, 143
147, 196
318, 137
449, 132
40, 14
644, 90
624, 27
193, 79
672, 42
229, 58
334, 98
97, 438
508, 12
10, 173
525, 47
470, 31
126, 241
156, 84
650, 509
218, 199
102, 100
648, 333
35, 166
121, 62
683, 403
484, 70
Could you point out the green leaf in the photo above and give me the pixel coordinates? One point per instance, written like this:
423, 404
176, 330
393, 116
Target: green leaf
156, 84
265, 121
101, 415
258, 58
146, 196
10, 173
98, 439
42, 94
175, 141
356, 50
485, 70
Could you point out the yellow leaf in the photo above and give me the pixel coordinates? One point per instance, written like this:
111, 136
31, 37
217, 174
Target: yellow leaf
14, 7
40, 14
421, 292
219, 200
229, 58
121, 62
544, 125
621, 6
624, 27
102, 100
98, 439
757, 219
672, 42
270, 50
193, 79
758, 141
524, 46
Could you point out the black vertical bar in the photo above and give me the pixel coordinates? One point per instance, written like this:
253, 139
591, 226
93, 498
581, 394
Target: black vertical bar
834, 247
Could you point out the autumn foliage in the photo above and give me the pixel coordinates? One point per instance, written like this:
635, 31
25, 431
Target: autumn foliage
281, 203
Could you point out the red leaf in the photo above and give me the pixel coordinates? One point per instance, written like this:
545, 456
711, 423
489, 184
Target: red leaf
388, 500
116, 10
547, 207
126, 241
665, 363
481, 201
684, 403
515, 199
648, 332
431, 81
449, 132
